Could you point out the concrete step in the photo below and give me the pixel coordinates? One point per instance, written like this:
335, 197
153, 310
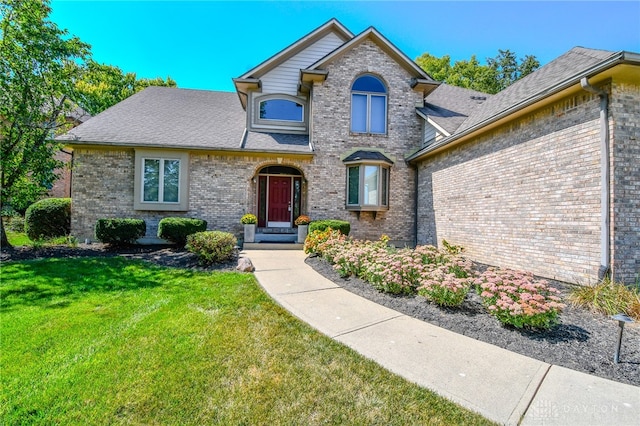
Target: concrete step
272, 246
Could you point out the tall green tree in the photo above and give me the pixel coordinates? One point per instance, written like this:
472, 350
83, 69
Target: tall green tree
102, 86
500, 71
39, 67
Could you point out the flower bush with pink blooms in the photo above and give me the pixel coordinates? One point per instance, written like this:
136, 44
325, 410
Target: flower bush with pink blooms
443, 277
516, 298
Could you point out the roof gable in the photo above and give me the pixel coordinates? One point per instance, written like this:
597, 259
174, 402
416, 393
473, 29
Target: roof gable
372, 34
331, 26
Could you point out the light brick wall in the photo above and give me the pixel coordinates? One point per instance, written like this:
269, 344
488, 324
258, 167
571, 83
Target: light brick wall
525, 196
332, 138
624, 110
221, 189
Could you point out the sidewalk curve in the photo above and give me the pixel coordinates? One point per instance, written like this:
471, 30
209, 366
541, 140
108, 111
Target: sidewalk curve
503, 386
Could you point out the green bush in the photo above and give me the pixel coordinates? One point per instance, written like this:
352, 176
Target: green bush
15, 224
177, 229
320, 225
120, 231
48, 218
212, 246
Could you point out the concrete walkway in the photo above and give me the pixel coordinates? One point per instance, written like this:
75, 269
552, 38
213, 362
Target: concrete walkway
503, 386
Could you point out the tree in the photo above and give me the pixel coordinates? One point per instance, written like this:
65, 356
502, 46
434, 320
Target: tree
39, 67
500, 71
102, 86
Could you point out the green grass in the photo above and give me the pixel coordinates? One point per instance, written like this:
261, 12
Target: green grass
18, 239
115, 341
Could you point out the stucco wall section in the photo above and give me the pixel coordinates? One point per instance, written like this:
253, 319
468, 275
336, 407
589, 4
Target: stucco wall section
331, 138
624, 110
525, 196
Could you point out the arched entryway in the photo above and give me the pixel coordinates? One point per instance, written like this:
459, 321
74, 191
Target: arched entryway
279, 196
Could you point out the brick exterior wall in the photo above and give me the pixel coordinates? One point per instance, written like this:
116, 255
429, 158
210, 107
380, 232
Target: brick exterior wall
221, 189
526, 195
332, 138
624, 110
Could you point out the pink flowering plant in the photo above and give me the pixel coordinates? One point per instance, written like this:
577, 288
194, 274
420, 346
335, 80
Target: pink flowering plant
447, 278
516, 298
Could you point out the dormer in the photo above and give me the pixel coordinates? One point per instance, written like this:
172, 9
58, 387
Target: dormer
271, 93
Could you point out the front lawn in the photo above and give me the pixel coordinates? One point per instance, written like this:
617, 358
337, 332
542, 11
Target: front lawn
109, 340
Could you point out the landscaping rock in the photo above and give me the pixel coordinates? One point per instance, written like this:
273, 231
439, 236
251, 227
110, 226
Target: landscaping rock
245, 265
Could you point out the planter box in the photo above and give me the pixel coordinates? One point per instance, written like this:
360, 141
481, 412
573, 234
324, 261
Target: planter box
249, 233
302, 233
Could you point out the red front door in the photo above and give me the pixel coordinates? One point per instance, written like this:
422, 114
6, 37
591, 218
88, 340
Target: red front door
279, 210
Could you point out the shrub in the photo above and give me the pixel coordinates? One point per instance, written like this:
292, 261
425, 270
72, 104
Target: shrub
320, 225
516, 298
212, 246
16, 224
120, 231
177, 229
249, 219
320, 242
48, 218
608, 297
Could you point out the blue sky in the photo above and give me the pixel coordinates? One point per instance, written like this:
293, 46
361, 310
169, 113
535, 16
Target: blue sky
204, 44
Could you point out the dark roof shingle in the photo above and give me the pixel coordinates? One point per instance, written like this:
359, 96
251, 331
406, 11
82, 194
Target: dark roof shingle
167, 117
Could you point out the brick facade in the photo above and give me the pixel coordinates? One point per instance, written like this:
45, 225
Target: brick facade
332, 138
221, 189
527, 194
624, 110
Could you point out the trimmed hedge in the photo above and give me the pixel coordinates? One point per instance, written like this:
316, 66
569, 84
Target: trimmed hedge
120, 231
212, 246
321, 225
48, 218
177, 229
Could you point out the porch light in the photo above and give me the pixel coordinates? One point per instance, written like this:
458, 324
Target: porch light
622, 319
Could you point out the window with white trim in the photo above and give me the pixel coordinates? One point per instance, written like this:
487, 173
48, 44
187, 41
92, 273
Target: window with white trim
368, 105
278, 112
161, 180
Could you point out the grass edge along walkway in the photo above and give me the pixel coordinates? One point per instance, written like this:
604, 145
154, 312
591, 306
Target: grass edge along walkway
110, 340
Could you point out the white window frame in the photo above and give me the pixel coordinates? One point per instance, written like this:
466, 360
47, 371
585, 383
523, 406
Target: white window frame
382, 191
277, 126
183, 197
369, 95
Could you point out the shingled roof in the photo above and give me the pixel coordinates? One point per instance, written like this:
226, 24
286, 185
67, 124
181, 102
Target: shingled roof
555, 72
559, 74
450, 106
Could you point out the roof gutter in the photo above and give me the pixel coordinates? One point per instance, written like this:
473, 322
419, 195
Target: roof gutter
605, 179
615, 59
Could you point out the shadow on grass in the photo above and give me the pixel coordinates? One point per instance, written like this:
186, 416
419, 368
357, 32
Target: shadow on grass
53, 282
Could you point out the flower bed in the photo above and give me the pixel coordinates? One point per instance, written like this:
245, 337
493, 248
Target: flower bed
443, 277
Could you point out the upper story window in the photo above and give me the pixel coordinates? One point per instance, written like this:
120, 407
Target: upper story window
368, 105
281, 109
278, 112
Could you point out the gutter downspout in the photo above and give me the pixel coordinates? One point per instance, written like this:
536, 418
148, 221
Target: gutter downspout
605, 179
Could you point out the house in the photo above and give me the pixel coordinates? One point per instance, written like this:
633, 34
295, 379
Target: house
347, 126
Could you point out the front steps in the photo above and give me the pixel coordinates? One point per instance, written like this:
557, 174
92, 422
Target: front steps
274, 239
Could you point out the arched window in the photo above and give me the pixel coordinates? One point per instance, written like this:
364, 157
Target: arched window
368, 105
